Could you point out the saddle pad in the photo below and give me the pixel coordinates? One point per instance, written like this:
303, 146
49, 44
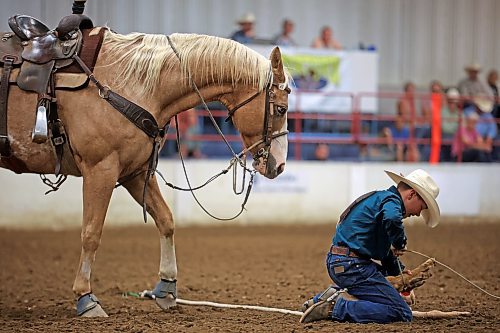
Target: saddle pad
63, 80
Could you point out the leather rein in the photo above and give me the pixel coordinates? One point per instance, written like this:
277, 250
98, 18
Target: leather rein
271, 109
145, 121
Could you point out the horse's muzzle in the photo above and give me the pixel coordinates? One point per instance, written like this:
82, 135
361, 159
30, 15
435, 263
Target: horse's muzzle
269, 169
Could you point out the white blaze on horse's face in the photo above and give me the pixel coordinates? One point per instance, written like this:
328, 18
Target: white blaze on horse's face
255, 127
277, 155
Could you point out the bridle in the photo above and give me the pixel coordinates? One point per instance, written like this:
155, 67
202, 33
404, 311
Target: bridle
271, 110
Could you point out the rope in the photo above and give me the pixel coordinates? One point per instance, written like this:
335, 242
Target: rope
401, 273
191, 190
454, 271
147, 294
236, 306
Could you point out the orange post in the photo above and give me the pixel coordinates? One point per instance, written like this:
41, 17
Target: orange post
436, 102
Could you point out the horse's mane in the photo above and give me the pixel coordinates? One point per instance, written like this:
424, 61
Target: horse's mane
141, 57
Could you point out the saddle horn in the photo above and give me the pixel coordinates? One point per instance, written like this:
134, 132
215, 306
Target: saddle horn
72, 22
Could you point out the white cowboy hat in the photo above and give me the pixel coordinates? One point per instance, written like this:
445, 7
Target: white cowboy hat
484, 103
453, 93
473, 67
246, 18
426, 187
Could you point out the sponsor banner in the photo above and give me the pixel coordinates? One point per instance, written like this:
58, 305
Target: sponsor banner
327, 81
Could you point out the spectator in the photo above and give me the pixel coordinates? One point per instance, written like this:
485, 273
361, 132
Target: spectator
399, 130
189, 127
399, 134
389, 149
450, 115
471, 86
406, 104
285, 37
492, 79
322, 152
326, 40
467, 143
486, 126
246, 34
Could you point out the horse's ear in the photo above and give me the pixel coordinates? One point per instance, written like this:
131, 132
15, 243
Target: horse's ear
277, 65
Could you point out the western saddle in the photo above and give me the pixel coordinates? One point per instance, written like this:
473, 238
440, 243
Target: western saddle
39, 52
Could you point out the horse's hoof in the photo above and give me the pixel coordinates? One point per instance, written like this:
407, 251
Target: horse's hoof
88, 306
95, 312
165, 293
166, 302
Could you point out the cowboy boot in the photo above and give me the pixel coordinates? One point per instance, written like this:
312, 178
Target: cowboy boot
322, 297
321, 310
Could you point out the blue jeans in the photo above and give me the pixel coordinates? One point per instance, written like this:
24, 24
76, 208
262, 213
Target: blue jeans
378, 301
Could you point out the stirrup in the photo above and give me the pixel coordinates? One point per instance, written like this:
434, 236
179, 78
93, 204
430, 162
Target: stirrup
40, 131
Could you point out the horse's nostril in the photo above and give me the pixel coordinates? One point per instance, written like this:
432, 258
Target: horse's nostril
281, 168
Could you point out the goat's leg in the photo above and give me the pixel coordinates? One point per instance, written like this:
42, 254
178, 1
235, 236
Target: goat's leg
166, 291
417, 278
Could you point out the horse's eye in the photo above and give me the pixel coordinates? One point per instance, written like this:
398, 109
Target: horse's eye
281, 110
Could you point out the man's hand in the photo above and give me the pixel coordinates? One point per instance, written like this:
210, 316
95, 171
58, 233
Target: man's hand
412, 279
398, 252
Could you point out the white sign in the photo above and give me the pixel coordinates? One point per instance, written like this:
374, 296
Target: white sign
327, 81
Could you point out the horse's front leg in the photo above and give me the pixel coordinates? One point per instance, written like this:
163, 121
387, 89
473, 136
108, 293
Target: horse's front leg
98, 185
166, 290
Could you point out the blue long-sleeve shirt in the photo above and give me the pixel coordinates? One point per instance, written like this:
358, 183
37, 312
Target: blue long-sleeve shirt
373, 225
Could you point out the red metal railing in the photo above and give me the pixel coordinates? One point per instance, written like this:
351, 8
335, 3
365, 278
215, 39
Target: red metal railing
386, 113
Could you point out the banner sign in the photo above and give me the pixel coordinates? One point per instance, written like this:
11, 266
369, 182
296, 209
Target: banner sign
326, 80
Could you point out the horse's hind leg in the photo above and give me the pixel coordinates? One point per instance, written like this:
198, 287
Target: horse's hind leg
166, 290
98, 185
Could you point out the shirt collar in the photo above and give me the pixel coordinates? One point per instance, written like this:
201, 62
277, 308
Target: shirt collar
394, 190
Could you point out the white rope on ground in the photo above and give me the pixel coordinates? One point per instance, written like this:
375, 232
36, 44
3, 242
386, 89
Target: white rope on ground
236, 306
436, 314
454, 271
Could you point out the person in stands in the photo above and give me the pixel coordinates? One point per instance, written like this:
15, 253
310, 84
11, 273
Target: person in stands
326, 40
285, 37
246, 33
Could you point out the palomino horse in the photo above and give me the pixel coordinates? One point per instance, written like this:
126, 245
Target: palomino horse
156, 72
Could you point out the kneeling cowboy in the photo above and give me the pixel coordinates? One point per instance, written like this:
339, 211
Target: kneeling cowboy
367, 230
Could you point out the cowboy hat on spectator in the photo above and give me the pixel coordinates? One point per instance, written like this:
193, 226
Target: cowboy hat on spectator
246, 18
474, 67
483, 103
426, 187
453, 93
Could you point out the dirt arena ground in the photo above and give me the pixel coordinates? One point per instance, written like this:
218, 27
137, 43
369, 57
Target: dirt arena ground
278, 266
